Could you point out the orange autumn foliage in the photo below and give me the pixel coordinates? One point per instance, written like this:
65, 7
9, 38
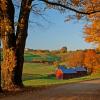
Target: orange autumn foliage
92, 30
92, 33
91, 60
75, 59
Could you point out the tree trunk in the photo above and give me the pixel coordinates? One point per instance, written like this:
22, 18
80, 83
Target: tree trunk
8, 67
9, 44
0, 71
21, 35
0, 64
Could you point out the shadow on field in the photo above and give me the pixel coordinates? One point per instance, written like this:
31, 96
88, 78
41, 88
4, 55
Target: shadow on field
37, 76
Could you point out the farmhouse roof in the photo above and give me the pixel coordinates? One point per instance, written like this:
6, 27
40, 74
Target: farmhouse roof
66, 70
80, 69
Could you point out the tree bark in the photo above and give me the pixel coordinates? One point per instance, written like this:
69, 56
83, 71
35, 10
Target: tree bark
9, 44
21, 35
0, 71
0, 61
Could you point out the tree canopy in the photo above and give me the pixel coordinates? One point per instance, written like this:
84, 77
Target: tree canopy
92, 30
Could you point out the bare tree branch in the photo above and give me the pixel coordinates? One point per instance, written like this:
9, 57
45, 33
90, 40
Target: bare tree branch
69, 8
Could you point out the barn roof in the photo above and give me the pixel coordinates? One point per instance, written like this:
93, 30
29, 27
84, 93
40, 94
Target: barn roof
67, 71
80, 69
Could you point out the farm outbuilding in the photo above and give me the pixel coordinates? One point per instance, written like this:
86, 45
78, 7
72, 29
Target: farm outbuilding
64, 73
81, 71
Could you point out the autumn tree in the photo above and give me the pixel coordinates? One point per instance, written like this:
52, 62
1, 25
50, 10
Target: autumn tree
14, 42
75, 58
9, 43
92, 30
91, 60
97, 68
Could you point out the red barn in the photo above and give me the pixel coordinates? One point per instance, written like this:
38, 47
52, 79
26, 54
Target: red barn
64, 73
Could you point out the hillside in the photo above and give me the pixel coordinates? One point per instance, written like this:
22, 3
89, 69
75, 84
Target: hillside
40, 57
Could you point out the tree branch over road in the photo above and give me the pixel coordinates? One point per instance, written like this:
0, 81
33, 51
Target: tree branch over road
70, 8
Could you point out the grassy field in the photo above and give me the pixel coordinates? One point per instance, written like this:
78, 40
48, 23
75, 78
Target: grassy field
38, 75
29, 57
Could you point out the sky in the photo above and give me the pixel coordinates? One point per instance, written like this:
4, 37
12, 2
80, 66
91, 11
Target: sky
55, 33
52, 33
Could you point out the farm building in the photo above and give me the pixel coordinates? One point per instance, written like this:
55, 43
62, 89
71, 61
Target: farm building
64, 73
81, 71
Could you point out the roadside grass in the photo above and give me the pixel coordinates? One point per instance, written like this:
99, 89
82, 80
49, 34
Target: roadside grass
38, 75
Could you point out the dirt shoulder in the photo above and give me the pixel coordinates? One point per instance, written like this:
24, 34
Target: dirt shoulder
88, 90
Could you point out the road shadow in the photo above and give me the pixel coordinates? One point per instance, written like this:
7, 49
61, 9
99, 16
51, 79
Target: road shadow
88, 90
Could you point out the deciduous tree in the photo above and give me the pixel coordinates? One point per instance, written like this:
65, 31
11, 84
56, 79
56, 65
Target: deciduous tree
90, 60
92, 30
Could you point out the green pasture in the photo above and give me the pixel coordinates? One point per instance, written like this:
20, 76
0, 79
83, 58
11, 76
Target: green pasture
38, 75
29, 57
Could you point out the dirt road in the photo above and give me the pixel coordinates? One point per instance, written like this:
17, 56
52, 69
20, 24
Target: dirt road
88, 90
